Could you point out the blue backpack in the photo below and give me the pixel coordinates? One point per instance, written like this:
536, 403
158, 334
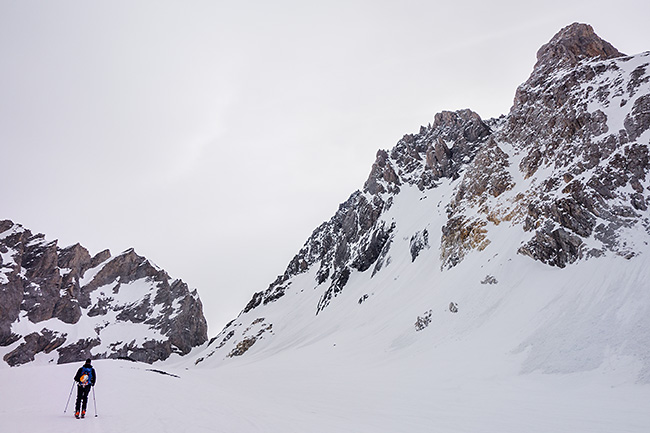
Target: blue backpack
86, 376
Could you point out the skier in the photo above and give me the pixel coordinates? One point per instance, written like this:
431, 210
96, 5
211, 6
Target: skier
85, 379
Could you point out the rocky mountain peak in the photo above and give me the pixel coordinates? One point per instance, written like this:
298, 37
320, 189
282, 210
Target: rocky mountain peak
572, 44
64, 305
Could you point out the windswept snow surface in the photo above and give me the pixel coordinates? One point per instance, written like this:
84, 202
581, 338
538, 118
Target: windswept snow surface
327, 394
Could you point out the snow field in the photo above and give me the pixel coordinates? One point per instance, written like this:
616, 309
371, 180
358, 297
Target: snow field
323, 391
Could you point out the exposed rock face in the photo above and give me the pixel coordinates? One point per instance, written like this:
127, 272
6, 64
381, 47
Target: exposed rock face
566, 170
573, 44
59, 294
419, 241
566, 119
487, 176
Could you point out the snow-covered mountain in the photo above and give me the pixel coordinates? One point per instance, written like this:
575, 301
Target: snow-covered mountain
62, 305
525, 235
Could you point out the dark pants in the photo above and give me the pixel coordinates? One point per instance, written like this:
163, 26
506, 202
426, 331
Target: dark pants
82, 397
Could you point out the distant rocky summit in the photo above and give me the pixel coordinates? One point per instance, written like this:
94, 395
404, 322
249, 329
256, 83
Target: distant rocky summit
65, 305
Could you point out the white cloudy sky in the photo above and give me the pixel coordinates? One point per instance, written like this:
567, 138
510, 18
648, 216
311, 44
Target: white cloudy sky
214, 136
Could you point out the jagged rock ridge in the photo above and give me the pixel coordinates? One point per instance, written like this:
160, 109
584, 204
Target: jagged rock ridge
66, 305
565, 170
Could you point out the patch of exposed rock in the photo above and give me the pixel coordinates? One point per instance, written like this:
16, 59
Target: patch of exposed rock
486, 177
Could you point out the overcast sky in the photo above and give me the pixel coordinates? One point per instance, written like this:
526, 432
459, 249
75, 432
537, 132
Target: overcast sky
215, 136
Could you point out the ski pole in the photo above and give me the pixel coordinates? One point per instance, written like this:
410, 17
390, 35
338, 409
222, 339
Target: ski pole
68, 402
94, 401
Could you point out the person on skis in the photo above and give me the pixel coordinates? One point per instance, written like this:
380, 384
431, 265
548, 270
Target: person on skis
85, 378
